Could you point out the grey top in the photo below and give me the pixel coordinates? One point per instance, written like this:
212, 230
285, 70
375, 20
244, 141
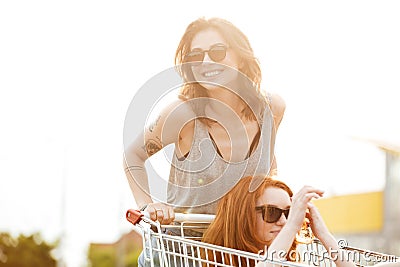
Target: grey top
198, 181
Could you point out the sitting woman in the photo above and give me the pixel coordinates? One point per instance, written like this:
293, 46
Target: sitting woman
260, 220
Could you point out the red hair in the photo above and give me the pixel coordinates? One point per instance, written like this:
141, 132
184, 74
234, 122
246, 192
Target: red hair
234, 226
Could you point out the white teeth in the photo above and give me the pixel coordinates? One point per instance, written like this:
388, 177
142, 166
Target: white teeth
212, 73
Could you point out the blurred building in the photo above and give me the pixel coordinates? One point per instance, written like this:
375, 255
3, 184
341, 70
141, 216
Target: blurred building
369, 220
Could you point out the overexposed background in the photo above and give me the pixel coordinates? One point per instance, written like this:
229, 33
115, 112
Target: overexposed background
69, 70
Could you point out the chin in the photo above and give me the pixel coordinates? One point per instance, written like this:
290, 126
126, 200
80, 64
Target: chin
211, 86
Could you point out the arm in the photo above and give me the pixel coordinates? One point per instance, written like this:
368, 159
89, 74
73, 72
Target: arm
283, 241
164, 130
278, 107
321, 231
286, 236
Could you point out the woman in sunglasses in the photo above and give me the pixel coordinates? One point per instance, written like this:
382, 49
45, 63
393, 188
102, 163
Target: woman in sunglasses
267, 220
222, 124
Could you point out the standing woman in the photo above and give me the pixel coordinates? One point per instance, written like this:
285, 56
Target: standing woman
222, 124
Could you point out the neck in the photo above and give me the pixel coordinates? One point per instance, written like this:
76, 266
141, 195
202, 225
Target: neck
224, 100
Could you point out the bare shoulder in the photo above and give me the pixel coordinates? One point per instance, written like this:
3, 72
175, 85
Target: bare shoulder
277, 104
176, 117
179, 124
178, 111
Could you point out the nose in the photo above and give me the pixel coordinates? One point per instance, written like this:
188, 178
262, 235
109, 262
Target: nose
207, 57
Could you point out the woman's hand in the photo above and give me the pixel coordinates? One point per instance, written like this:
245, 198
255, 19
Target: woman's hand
318, 226
300, 203
160, 212
328, 240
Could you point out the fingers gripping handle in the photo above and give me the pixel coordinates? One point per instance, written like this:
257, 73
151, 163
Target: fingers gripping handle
135, 216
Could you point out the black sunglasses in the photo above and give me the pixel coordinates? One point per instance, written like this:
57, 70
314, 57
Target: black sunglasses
216, 53
271, 214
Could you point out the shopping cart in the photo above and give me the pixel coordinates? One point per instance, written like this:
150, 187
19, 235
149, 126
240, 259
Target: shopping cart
315, 254
163, 249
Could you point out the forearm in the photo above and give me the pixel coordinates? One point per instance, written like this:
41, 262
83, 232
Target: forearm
321, 231
340, 257
279, 248
282, 243
138, 182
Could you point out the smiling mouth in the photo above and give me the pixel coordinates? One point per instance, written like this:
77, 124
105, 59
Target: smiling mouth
213, 73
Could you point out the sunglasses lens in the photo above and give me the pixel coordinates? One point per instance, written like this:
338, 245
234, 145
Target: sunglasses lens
286, 213
217, 53
272, 214
194, 56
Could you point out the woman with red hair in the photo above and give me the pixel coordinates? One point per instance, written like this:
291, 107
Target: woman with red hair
268, 219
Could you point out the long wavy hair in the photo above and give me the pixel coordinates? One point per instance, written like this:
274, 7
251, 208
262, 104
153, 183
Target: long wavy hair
235, 221
249, 67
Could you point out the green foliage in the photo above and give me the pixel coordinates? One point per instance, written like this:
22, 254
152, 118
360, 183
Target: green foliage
26, 251
130, 259
103, 256
122, 253
110, 256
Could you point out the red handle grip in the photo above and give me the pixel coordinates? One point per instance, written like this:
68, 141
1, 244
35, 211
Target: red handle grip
133, 216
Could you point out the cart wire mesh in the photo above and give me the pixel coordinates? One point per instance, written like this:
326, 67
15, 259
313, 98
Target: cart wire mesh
166, 250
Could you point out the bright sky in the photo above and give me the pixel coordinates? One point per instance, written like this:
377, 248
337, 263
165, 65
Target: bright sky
69, 70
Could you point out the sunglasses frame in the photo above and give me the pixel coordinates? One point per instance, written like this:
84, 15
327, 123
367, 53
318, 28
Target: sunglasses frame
265, 208
213, 48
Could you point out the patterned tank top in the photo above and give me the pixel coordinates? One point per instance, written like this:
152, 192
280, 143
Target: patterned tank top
199, 180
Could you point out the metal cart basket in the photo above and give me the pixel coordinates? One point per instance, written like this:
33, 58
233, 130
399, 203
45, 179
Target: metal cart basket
163, 249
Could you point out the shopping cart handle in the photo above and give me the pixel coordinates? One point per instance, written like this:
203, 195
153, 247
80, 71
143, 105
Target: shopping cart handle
135, 216
192, 217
